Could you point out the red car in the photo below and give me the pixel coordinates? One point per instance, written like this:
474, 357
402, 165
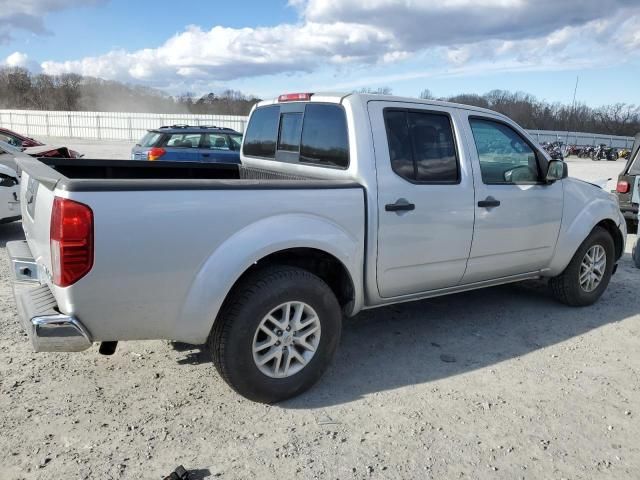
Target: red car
17, 140
20, 141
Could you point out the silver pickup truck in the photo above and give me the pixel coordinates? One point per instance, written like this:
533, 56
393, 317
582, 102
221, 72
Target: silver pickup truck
341, 203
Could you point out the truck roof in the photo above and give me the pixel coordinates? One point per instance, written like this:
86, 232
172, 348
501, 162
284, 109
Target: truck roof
338, 97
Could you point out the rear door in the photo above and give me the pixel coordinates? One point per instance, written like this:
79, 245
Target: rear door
517, 215
425, 198
218, 147
182, 147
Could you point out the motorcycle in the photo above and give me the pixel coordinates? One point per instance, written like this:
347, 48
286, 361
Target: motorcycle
554, 150
624, 153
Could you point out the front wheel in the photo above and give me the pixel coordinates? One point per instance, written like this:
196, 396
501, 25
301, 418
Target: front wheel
277, 334
586, 277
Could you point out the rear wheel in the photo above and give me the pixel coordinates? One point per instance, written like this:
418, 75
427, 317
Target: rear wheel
277, 334
588, 274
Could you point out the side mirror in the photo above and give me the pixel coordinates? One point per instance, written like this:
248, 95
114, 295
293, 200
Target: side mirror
557, 170
25, 144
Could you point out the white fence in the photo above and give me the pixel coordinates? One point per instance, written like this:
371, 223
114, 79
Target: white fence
105, 125
579, 138
132, 126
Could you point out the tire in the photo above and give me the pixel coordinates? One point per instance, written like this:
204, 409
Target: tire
235, 333
566, 287
635, 254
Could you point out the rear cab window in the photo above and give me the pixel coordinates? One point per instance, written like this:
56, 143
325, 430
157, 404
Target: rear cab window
304, 133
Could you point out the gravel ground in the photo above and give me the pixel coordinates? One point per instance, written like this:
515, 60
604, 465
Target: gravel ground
499, 383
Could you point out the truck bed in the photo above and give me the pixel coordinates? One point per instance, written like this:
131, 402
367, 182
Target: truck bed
170, 239
78, 175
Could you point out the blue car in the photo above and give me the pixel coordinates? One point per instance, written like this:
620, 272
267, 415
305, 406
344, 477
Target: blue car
183, 143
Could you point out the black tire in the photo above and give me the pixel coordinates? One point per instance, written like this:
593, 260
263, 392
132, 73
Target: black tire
231, 340
635, 254
632, 226
566, 286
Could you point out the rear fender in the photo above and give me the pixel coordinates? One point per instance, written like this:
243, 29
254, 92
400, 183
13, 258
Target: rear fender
246, 247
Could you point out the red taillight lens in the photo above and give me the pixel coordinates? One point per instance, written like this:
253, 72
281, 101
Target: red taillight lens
71, 241
155, 153
293, 97
622, 187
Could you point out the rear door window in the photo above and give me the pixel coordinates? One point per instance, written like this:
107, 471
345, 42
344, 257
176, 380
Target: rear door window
422, 146
262, 132
184, 140
214, 141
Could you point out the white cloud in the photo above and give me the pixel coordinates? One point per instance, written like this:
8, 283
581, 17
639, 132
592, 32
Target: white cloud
227, 53
29, 14
17, 59
343, 33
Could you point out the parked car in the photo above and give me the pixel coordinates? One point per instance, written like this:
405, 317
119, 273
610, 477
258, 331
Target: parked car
184, 143
17, 140
628, 187
9, 183
34, 147
341, 203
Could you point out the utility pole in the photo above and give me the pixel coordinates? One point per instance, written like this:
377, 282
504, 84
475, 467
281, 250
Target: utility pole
573, 107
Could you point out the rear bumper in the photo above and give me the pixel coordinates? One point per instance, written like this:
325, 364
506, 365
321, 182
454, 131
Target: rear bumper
49, 330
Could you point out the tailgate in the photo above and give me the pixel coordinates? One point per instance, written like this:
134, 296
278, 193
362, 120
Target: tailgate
36, 201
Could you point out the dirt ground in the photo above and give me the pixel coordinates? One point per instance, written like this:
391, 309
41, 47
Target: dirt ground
500, 383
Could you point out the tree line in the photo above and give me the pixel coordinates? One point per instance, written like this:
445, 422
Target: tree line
534, 114
21, 89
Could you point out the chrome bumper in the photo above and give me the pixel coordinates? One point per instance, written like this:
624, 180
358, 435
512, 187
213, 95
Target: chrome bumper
48, 329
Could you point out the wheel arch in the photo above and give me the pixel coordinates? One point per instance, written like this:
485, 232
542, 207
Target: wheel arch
322, 247
596, 214
618, 241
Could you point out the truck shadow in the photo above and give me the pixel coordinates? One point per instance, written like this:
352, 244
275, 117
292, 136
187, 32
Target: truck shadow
424, 341
9, 232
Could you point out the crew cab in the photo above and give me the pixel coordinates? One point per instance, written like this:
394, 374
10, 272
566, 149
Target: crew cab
342, 202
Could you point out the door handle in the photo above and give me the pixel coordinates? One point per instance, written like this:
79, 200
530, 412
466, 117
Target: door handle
401, 205
205, 154
489, 202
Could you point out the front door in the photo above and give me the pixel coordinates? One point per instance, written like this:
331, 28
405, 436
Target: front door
518, 215
425, 198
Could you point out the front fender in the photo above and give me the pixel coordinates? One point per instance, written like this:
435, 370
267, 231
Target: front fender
576, 226
269, 235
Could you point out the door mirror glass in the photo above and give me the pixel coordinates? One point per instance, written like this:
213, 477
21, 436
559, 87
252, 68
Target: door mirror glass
557, 170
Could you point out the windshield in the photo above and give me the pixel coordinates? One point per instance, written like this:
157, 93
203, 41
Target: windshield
4, 146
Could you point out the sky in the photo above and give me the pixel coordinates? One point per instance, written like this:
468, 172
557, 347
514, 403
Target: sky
268, 47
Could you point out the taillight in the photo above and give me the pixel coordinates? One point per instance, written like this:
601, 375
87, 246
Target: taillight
622, 187
155, 153
293, 97
71, 241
